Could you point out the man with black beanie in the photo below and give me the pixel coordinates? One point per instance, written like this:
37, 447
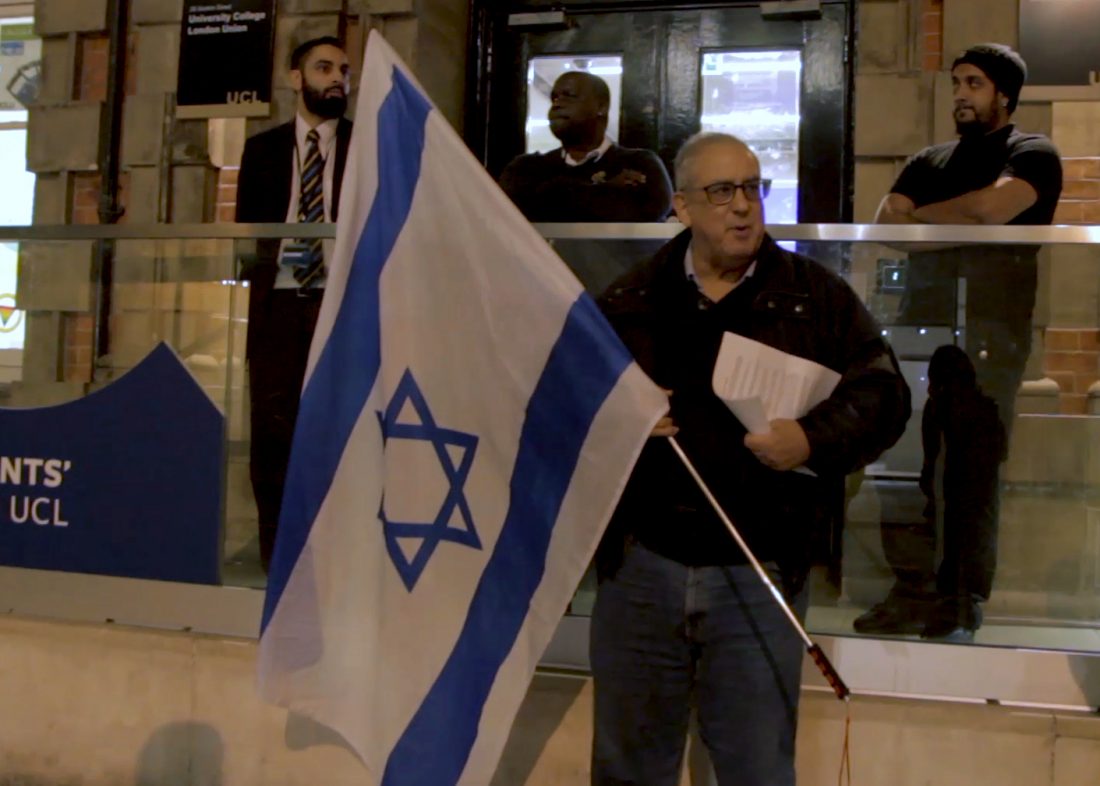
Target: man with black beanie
992, 174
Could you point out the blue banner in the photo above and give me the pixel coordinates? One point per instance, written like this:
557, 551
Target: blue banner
126, 481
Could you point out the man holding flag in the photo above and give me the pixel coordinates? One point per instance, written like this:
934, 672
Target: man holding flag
680, 616
467, 423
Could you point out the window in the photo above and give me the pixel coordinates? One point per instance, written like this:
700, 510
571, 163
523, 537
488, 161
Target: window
20, 63
541, 75
754, 95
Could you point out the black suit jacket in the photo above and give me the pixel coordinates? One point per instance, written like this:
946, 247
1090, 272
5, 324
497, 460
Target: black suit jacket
263, 197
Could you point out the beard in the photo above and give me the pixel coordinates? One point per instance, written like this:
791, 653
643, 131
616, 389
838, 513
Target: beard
330, 106
980, 124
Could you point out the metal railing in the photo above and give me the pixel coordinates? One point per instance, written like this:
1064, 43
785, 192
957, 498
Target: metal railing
851, 233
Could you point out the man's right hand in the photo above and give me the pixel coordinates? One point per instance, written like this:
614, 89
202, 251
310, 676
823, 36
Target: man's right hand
665, 428
628, 177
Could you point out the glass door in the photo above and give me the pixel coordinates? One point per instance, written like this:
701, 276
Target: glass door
781, 85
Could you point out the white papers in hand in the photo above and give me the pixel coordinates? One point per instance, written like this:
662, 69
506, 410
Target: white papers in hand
760, 383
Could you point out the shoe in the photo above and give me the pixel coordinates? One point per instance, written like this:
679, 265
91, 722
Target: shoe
953, 620
947, 632
890, 617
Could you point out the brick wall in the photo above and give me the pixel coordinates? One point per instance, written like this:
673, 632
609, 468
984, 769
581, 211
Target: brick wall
1072, 360
226, 206
78, 347
85, 205
931, 49
1071, 356
93, 53
1080, 203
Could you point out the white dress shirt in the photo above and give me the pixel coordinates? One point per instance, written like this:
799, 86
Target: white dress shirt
327, 144
689, 271
591, 155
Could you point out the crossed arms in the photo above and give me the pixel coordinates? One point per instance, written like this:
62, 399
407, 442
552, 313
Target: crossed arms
998, 203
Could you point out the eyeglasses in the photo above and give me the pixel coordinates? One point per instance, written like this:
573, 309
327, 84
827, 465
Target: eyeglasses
722, 193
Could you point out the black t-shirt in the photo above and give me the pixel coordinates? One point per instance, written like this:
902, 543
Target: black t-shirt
942, 172
1001, 279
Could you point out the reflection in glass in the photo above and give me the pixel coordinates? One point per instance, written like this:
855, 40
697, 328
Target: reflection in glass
541, 75
754, 95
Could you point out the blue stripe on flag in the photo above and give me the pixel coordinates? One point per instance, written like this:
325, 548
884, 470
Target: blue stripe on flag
583, 368
348, 365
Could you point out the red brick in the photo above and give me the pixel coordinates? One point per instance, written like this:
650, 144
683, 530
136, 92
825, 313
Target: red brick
1082, 382
1081, 168
82, 327
1090, 212
227, 175
931, 61
1089, 339
1069, 213
86, 196
94, 61
1077, 362
1081, 189
227, 214
1074, 405
78, 347
1056, 340
92, 68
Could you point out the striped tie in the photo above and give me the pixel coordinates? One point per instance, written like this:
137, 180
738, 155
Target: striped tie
311, 208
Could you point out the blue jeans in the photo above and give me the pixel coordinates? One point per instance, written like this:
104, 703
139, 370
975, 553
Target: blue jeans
665, 636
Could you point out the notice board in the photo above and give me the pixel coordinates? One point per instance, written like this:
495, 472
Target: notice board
226, 49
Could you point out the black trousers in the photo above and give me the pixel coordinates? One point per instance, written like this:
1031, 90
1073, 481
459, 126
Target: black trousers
280, 332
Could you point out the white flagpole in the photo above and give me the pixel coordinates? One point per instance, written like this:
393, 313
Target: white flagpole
820, 659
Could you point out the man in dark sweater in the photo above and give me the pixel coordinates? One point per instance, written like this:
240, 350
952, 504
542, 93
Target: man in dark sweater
679, 615
588, 178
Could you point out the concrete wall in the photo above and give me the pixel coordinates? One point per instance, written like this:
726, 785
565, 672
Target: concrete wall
108, 706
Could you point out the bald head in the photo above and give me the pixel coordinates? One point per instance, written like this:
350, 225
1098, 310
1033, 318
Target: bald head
579, 103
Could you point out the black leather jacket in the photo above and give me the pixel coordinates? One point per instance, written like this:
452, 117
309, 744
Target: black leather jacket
793, 304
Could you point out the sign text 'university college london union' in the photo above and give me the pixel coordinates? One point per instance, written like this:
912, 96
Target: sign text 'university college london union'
213, 34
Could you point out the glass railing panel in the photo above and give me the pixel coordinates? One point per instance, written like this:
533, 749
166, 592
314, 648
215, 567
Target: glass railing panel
90, 356
1019, 485
1018, 305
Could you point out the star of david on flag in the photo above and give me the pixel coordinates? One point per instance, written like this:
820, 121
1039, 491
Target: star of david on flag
455, 451
383, 620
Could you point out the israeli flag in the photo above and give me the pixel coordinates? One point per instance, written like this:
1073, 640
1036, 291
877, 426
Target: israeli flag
467, 424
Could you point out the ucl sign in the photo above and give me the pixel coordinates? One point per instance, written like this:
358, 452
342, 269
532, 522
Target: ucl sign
126, 481
225, 58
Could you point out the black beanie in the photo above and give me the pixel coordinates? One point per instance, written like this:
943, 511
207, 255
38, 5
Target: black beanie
1002, 65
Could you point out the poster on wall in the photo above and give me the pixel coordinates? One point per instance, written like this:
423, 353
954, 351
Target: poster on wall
1060, 40
126, 481
225, 58
20, 64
